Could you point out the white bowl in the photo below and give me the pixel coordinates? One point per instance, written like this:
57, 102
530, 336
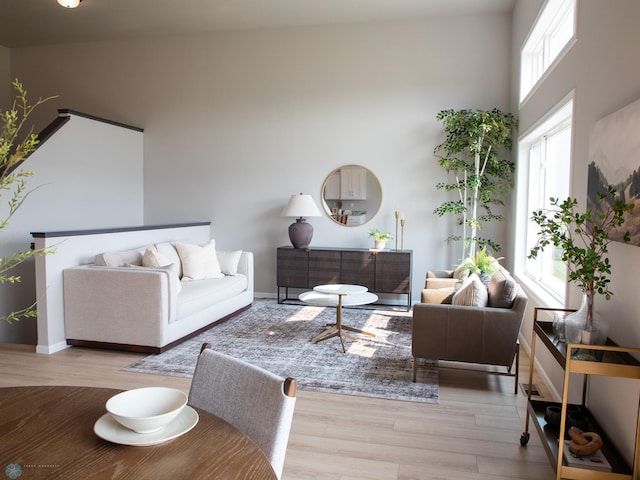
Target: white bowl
147, 410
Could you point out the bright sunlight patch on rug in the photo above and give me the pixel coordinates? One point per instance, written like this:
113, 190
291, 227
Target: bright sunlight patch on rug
278, 338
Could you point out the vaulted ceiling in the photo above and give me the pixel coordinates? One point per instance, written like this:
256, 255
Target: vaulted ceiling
41, 22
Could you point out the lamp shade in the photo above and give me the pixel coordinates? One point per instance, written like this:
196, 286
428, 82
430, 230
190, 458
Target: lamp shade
301, 206
300, 232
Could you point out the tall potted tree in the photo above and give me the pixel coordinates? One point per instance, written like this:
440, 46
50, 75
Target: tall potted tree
13, 180
470, 152
584, 240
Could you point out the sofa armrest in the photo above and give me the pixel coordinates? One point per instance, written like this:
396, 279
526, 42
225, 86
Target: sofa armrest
119, 305
437, 279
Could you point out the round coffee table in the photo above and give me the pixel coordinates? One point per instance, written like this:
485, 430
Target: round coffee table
337, 295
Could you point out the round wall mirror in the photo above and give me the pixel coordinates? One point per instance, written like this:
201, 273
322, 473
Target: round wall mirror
351, 195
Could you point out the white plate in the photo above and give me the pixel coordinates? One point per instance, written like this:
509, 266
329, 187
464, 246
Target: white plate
109, 429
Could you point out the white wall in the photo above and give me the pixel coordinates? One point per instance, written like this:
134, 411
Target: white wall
88, 175
236, 122
602, 67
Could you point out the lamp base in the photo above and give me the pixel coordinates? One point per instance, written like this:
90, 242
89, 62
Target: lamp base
300, 233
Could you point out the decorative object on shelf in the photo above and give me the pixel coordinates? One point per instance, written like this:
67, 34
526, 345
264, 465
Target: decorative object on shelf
552, 416
380, 239
13, 184
559, 326
474, 139
397, 213
583, 443
482, 264
582, 328
402, 230
583, 238
300, 232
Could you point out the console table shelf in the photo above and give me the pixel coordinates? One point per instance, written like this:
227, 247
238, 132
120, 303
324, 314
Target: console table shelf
382, 272
614, 361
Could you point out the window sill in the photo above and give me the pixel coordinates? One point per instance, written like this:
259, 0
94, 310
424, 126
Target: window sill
537, 293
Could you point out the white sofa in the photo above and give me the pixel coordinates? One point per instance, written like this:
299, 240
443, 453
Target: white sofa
118, 303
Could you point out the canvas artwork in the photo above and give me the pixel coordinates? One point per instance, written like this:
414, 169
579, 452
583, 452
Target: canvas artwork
614, 159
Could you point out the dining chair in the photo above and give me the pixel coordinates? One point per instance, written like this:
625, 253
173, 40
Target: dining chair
258, 403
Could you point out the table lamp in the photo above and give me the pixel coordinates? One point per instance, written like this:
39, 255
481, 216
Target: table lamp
300, 206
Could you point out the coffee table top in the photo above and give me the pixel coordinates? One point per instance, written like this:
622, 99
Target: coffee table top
340, 289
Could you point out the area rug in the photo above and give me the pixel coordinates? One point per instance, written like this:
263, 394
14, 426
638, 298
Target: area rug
277, 337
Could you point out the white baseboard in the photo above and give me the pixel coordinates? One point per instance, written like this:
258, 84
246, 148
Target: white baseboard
49, 349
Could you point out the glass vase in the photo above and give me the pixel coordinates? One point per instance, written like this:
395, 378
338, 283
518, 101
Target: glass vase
582, 327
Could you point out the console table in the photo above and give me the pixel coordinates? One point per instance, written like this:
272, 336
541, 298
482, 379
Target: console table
615, 362
386, 271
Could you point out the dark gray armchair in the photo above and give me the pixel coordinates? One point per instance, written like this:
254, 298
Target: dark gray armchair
484, 335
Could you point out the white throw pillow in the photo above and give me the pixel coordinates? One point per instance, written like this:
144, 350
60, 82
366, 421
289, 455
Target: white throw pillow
228, 261
120, 259
473, 293
168, 250
155, 259
199, 262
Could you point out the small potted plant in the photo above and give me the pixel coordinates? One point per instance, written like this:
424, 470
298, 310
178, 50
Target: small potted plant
482, 263
583, 238
380, 239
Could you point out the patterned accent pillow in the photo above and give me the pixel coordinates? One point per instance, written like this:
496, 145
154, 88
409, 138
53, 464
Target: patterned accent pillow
502, 289
473, 293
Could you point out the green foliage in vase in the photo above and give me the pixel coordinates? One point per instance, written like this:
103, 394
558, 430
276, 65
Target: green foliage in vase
584, 240
378, 235
481, 262
13, 183
470, 152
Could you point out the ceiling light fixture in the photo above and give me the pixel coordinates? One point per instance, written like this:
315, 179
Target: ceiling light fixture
69, 3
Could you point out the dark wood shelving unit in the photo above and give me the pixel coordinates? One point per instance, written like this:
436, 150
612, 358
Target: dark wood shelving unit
612, 361
382, 272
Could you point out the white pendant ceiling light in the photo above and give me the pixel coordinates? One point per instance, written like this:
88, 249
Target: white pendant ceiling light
69, 3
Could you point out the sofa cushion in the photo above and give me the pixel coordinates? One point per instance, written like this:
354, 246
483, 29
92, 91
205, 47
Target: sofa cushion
154, 259
169, 251
228, 261
120, 259
197, 296
502, 290
199, 262
473, 293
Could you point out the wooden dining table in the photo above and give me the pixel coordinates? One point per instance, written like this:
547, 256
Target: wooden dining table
48, 432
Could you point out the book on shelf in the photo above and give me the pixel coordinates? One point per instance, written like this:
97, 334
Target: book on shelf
595, 461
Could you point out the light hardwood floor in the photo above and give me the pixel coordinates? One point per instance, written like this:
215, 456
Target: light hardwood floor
472, 434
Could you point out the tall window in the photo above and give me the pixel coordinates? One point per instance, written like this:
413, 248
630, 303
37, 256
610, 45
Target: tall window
545, 159
550, 36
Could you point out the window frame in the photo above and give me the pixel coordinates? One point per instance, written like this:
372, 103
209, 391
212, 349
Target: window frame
536, 61
557, 119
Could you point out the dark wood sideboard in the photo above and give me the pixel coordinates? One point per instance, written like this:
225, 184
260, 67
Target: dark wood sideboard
382, 272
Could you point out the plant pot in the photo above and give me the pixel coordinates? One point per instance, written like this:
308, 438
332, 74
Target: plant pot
583, 328
379, 244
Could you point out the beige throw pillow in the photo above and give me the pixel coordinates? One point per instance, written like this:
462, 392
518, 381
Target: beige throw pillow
473, 293
155, 259
199, 262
